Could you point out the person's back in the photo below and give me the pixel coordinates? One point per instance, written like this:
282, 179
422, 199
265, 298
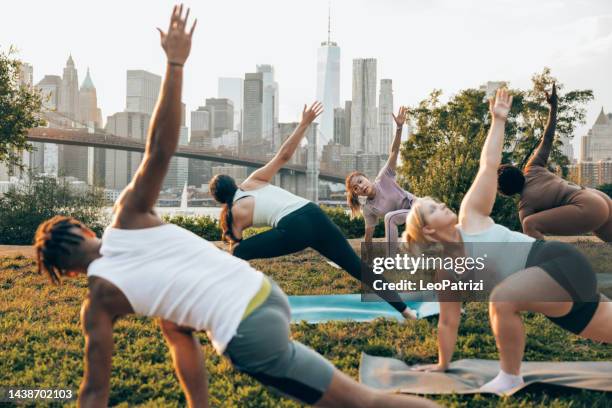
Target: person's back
171, 273
544, 190
272, 203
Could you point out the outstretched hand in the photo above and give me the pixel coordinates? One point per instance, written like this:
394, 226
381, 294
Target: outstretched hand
310, 114
177, 42
552, 98
500, 106
400, 119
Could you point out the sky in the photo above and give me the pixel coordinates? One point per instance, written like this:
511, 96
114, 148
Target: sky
420, 44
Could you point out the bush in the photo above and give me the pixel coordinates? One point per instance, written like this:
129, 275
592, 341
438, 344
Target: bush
352, 228
24, 207
203, 226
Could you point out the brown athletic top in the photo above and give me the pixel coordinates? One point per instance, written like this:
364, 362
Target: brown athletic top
544, 190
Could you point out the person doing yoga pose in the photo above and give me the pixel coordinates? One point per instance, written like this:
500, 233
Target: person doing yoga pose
143, 266
550, 204
384, 197
548, 277
296, 223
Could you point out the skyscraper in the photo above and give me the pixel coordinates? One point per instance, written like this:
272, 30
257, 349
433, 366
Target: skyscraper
364, 118
72, 160
253, 108
222, 115
69, 95
142, 89
120, 165
199, 171
597, 143
90, 114
328, 84
385, 119
177, 174
232, 89
269, 110
50, 88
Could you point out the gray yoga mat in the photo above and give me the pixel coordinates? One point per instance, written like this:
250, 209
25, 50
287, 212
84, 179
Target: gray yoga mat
325, 308
466, 376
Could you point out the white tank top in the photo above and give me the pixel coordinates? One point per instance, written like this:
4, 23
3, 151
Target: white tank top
169, 272
271, 204
504, 249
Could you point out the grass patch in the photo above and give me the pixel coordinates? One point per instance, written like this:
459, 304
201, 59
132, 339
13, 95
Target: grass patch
42, 345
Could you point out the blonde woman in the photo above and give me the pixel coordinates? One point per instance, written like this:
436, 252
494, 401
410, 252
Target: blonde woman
547, 277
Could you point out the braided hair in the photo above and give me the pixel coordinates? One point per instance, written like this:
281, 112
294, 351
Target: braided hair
223, 188
55, 244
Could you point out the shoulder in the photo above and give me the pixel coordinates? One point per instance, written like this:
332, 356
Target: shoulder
474, 223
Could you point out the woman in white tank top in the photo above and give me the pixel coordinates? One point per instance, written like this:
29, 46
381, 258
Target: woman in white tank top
547, 277
296, 223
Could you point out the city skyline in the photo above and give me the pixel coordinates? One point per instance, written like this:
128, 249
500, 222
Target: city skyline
574, 39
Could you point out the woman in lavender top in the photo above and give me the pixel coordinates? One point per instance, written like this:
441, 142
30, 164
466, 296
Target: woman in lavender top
384, 197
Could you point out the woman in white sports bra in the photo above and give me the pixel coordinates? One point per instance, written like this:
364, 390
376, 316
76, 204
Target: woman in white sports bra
296, 223
548, 277
143, 266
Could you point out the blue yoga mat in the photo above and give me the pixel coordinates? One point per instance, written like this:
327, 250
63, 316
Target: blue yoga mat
325, 308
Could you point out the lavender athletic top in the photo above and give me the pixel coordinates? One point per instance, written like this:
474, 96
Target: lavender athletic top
389, 197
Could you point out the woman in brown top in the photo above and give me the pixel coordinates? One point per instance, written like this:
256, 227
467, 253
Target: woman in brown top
550, 204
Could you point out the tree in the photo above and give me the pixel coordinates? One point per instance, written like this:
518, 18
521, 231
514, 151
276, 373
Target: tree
441, 157
20, 108
39, 198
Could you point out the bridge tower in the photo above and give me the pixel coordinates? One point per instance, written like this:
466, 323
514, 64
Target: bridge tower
312, 165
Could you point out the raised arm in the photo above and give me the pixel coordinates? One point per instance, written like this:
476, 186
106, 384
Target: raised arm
98, 330
400, 119
288, 148
480, 197
540, 157
140, 195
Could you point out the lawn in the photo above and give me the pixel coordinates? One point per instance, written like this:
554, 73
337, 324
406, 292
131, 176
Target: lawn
42, 346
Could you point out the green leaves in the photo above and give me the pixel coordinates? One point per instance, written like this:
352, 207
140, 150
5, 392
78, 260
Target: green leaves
20, 108
441, 157
25, 206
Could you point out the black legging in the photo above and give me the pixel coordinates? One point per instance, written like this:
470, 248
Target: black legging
309, 227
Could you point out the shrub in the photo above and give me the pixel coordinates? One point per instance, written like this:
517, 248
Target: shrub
25, 206
203, 226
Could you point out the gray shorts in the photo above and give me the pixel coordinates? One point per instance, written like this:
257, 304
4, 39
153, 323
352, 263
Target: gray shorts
262, 349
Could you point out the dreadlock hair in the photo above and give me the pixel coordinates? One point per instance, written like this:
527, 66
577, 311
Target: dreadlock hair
223, 188
352, 199
55, 244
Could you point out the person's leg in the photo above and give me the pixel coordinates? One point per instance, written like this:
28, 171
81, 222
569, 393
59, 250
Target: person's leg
600, 326
269, 244
392, 221
297, 371
331, 243
586, 213
531, 290
605, 231
346, 392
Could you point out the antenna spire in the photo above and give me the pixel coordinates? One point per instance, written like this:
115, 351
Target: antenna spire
329, 22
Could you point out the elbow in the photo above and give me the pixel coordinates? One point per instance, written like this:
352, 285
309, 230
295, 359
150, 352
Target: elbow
284, 155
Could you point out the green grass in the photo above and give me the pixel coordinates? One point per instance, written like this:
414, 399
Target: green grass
42, 346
